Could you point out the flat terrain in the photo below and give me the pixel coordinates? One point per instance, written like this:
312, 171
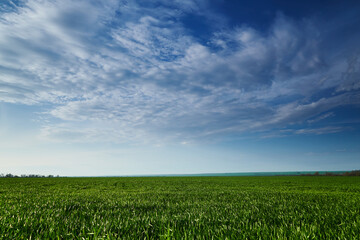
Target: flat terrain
180, 208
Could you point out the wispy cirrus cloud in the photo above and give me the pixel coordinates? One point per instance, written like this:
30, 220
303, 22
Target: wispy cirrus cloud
318, 131
321, 117
117, 71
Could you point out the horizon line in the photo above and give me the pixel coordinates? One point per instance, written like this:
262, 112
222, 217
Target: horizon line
265, 173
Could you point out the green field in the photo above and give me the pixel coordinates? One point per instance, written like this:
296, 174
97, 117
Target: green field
180, 208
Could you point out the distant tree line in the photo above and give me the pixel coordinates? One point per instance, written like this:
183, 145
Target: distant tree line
9, 175
351, 173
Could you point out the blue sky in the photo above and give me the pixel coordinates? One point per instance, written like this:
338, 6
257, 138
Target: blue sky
160, 87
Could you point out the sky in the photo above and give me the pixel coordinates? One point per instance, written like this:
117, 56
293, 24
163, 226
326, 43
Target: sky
121, 87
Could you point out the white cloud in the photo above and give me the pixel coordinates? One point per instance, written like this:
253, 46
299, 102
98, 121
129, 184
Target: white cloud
134, 72
318, 131
321, 117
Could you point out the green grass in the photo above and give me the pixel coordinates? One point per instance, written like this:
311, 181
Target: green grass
180, 208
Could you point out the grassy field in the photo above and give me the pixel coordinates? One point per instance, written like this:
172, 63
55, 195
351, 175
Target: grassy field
180, 208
